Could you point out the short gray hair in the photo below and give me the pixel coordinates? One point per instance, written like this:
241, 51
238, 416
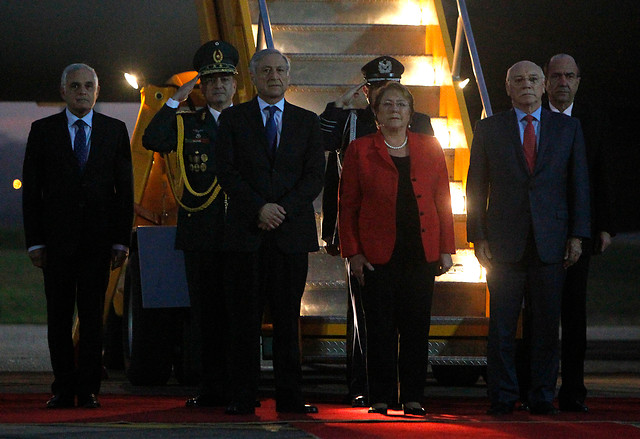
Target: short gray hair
74, 67
519, 63
258, 56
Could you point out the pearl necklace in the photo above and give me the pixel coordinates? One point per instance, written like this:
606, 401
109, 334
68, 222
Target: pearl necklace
397, 147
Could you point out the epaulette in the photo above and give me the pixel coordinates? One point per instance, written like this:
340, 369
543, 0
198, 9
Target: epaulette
185, 111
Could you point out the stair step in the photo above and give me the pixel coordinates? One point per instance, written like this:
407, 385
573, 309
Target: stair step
345, 69
315, 97
350, 39
340, 11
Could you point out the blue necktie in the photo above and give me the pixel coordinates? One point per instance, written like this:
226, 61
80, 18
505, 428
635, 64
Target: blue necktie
271, 130
80, 147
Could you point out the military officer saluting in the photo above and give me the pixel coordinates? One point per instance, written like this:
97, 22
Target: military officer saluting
192, 135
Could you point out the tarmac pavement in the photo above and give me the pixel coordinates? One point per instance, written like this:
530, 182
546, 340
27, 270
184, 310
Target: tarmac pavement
612, 367
613, 353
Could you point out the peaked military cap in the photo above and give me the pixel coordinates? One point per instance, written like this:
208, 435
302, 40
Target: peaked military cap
216, 57
384, 68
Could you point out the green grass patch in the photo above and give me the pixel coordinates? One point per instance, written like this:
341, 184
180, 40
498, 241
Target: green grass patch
22, 297
613, 298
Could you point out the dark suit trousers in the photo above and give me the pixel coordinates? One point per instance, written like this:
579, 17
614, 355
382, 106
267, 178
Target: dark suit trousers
209, 318
574, 328
76, 280
507, 284
574, 333
397, 301
267, 276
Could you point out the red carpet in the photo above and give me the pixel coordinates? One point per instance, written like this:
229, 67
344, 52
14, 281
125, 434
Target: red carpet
455, 418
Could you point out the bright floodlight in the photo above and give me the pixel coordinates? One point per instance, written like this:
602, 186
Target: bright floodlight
132, 80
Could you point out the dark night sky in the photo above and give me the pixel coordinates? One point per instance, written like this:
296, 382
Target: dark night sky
40, 38
157, 38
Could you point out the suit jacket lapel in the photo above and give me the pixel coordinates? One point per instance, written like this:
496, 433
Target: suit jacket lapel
511, 126
545, 135
66, 144
288, 125
97, 139
256, 125
381, 148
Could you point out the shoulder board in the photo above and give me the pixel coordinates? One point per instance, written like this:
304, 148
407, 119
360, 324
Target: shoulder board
185, 111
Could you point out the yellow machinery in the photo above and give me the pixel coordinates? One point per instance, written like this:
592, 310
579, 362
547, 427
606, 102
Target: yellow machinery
156, 339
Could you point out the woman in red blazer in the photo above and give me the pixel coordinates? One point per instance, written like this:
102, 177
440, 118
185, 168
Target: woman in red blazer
396, 229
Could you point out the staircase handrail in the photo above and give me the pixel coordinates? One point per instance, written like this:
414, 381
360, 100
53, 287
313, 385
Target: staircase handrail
464, 28
265, 35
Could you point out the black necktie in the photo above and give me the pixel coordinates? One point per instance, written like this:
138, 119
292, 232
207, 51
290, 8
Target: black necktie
80, 147
271, 130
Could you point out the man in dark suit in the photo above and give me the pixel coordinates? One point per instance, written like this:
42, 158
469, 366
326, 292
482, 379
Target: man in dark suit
200, 226
342, 121
271, 166
562, 81
528, 209
78, 210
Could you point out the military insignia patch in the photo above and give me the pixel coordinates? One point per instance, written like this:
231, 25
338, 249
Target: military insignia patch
384, 66
217, 56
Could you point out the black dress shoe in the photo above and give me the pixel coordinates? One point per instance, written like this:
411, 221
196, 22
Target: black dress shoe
303, 409
206, 401
88, 401
358, 401
240, 409
60, 402
415, 411
499, 409
380, 409
543, 408
573, 406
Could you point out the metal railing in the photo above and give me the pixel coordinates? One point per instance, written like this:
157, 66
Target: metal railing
464, 29
265, 36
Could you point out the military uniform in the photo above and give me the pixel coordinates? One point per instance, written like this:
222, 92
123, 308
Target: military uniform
201, 217
198, 229
337, 132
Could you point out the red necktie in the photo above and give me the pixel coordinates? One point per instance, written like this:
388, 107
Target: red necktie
529, 143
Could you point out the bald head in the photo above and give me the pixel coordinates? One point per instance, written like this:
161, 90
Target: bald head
563, 80
525, 86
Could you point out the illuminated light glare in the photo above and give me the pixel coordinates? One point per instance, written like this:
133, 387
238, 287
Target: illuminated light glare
412, 13
427, 71
132, 80
466, 268
419, 72
457, 137
254, 31
458, 198
463, 84
441, 72
441, 131
17, 184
